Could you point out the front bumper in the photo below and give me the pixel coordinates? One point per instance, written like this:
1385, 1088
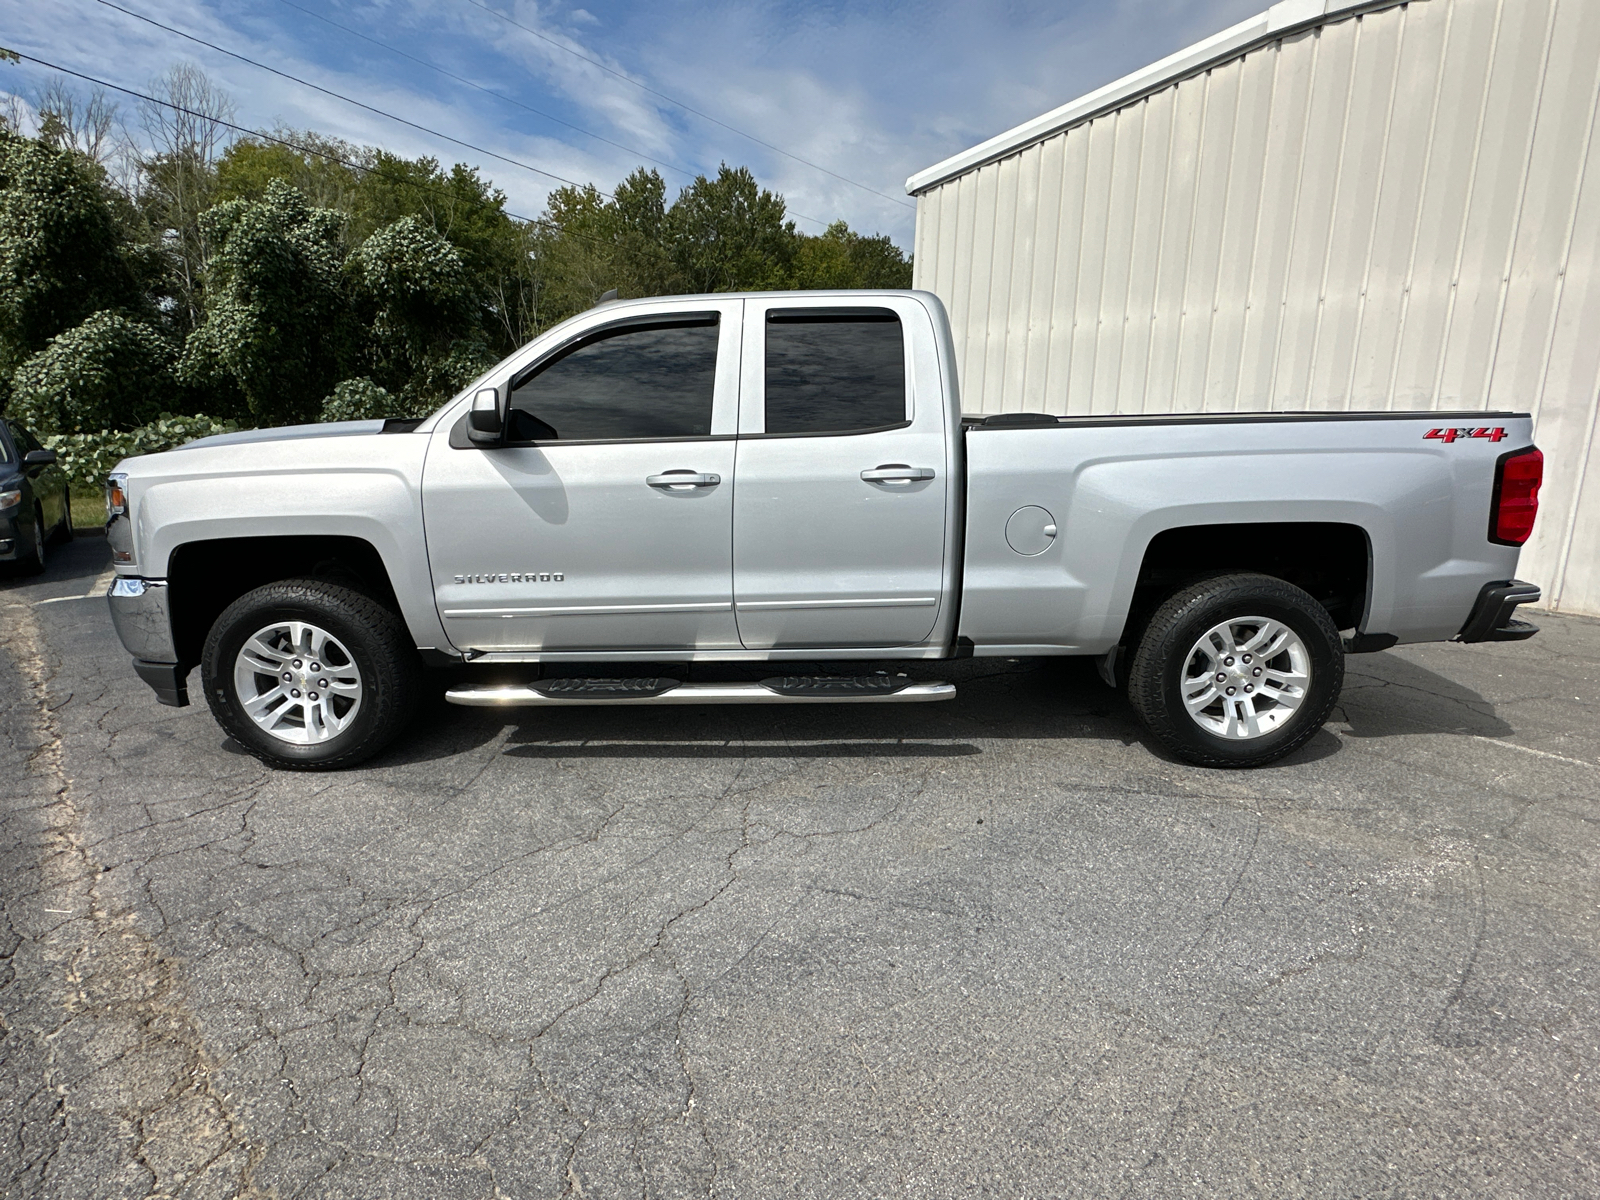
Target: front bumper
142, 614
1493, 616
11, 540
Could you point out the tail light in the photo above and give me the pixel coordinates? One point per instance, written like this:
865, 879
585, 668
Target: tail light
1516, 496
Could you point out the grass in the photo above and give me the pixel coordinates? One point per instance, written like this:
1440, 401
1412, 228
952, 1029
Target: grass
88, 510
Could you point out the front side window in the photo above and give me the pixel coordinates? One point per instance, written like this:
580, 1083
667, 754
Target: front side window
632, 382
834, 371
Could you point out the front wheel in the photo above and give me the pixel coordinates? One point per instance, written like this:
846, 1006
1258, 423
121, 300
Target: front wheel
34, 564
1237, 671
310, 676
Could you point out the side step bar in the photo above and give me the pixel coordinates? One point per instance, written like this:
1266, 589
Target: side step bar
793, 689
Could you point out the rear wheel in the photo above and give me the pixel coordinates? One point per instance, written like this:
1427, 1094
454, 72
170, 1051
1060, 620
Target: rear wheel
1237, 671
307, 675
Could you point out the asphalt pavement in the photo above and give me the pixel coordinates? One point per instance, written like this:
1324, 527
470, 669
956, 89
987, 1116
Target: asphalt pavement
999, 947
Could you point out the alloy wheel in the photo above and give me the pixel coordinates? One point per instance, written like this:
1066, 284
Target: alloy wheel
1245, 677
297, 682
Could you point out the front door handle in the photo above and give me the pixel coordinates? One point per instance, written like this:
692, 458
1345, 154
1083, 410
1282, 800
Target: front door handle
684, 479
897, 473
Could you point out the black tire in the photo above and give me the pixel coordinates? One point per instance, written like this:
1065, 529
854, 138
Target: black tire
34, 564
378, 644
64, 531
1162, 661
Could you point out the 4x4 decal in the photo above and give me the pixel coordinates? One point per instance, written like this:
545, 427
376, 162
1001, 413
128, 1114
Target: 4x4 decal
1483, 431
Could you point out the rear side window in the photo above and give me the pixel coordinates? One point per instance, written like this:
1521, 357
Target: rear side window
632, 382
838, 371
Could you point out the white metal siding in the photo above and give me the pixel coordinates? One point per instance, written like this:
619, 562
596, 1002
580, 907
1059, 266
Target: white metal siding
1398, 210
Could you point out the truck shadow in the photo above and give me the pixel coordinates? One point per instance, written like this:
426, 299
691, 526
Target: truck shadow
1386, 695
1048, 699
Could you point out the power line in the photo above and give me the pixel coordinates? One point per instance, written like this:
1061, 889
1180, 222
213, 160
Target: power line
487, 91
381, 112
304, 149
347, 99
686, 108
512, 100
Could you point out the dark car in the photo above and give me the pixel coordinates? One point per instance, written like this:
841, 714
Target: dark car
35, 507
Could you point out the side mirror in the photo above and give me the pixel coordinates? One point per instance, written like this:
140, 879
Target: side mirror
39, 458
486, 422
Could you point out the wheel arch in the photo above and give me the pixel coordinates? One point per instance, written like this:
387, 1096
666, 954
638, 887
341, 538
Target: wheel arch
1331, 560
205, 576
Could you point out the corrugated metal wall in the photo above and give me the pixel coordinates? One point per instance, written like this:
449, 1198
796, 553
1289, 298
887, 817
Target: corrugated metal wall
1391, 211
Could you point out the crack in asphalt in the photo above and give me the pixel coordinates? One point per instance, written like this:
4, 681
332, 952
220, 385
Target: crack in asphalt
105, 979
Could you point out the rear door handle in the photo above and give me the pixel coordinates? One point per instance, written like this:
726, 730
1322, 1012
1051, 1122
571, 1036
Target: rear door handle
684, 479
897, 473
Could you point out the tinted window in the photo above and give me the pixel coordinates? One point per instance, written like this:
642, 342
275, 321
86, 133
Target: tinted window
834, 373
633, 382
5, 451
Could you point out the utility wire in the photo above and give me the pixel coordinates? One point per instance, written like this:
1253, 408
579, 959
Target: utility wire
488, 91
686, 108
402, 120
512, 100
347, 99
303, 149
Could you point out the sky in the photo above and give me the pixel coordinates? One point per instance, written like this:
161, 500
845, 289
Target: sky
585, 92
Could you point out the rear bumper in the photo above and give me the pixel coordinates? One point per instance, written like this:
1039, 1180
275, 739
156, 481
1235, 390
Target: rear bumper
142, 614
1493, 617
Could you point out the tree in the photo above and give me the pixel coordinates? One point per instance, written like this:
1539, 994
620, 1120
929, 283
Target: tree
419, 307
467, 212
589, 245
111, 372
178, 176
842, 258
312, 164
729, 234
278, 322
62, 252
67, 122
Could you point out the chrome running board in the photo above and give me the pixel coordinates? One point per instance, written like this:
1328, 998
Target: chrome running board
815, 689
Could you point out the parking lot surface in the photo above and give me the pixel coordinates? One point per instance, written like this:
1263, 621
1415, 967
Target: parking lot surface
997, 947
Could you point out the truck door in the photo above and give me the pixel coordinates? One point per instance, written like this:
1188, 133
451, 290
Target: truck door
605, 521
840, 481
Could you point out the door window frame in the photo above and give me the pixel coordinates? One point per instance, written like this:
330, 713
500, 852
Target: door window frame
725, 391
921, 384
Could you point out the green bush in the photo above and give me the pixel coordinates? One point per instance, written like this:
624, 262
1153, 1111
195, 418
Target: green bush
110, 372
359, 399
87, 458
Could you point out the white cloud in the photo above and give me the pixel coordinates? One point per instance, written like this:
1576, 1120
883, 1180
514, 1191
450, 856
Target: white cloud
872, 92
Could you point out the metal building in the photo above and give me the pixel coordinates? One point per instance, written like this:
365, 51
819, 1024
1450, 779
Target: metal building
1333, 205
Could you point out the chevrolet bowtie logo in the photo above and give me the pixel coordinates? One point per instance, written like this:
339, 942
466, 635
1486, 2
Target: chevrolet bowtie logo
514, 577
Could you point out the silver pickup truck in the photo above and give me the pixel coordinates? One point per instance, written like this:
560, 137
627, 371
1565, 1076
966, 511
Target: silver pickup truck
788, 478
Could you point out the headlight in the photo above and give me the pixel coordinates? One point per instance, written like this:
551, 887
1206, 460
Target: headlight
116, 495
10, 499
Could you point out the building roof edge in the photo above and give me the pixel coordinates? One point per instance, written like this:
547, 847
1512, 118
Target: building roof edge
1285, 17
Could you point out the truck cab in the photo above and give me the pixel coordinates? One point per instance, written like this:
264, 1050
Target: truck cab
705, 477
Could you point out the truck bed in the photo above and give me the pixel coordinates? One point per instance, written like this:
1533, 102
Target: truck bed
1416, 488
